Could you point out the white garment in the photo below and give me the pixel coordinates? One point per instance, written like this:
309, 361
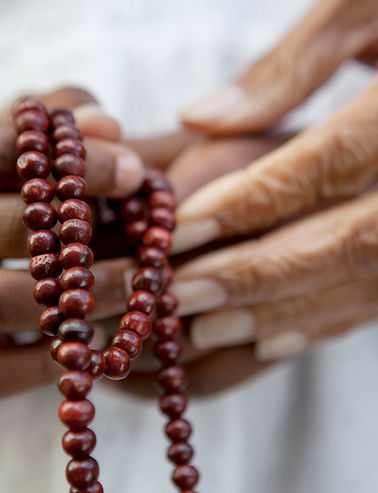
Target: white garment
308, 426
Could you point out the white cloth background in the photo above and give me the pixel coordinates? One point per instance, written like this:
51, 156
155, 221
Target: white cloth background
307, 426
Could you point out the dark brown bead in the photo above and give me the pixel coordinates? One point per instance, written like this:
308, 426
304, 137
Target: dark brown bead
166, 304
74, 355
32, 119
71, 187
39, 215
129, 341
75, 385
161, 216
77, 277
97, 488
147, 278
167, 328
96, 366
132, 210
50, 320
66, 132
158, 237
46, 291
185, 476
162, 199
54, 348
173, 405
76, 254
117, 363
76, 414
37, 190
151, 257
69, 146
33, 164
76, 303
43, 241
74, 209
180, 453
168, 352
75, 231
172, 379
154, 182
61, 116
137, 322
79, 444
32, 140
178, 430
76, 329
166, 273
45, 265
28, 103
82, 473
141, 301
134, 231
68, 164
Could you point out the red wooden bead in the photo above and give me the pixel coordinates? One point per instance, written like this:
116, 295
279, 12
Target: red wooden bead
75, 385
166, 273
76, 329
75, 231
180, 453
33, 164
137, 322
161, 216
79, 444
132, 210
154, 182
68, 164
32, 140
147, 278
46, 291
54, 348
69, 146
162, 199
75, 303
129, 341
61, 116
71, 187
134, 231
45, 265
173, 405
141, 301
82, 473
96, 366
50, 320
76, 254
151, 257
117, 363
39, 215
158, 237
32, 119
74, 209
168, 352
28, 103
172, 379
76, 414
96, 488
74, 355
37, 190
66, 132
166, 304
42, 241
178, 430
77, 277
167, 328
185, 477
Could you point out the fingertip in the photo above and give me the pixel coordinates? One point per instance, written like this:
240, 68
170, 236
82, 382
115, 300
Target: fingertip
93, 122
129, 174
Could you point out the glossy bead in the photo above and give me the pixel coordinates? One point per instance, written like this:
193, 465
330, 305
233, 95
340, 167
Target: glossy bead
74, 355
68, 164
147, 278
66, 132
168, 352
75, 385
178, 430
76, 329
166, 304
154, 182
37, 190
69, 146
134, 231
167, 328
96, 488
71, 187
180, 453
166, 273
33, 164
172, 379
96, 366
54, 348
32, 140
39, 215
76, 303
151, 257
137, 322
158, 237
28, 103
162, 199
46, 291
32, 119
75, 231
74, 209
50, 320
141, 301
132, 210
76, 254
161, 216
76, 414
117, 363
129, 341
42, 241
61, 116
173, 405
79, 444
185, 477
77, 277
45, 265
82, 473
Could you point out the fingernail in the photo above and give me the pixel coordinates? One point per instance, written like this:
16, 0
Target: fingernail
87, 111
129, 174
192, 234
282, 346
223, 328
199, 295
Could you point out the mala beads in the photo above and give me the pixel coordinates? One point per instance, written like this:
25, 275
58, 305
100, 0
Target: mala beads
60, 265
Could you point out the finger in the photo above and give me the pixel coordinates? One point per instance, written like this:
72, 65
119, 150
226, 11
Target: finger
290, 73
331, 161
